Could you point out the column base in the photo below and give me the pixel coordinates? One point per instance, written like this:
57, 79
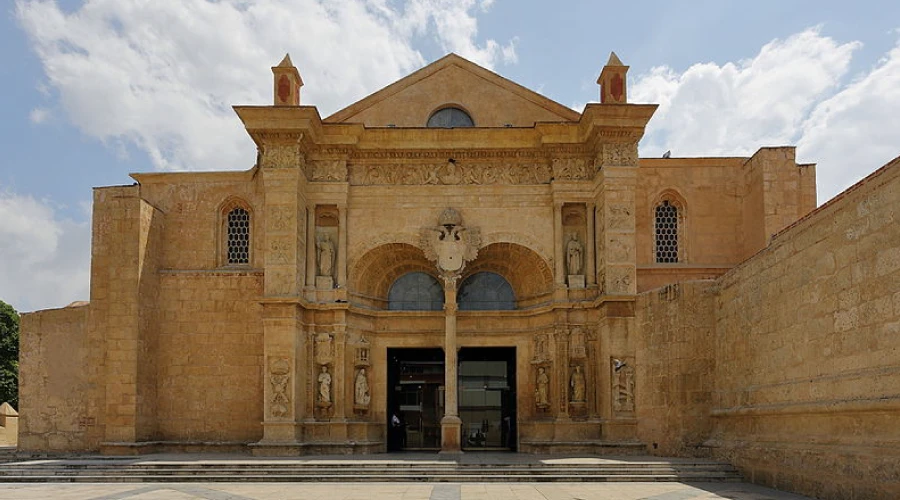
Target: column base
450, 435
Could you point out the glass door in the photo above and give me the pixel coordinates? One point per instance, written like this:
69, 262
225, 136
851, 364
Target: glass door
487, 399
416, 398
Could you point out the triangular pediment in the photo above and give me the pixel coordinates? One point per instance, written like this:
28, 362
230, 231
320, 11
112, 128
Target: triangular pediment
452, 81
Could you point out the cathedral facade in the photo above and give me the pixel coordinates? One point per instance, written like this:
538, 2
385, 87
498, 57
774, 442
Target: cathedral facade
457, 263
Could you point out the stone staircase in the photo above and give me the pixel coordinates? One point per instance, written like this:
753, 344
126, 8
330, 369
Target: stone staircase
513, 469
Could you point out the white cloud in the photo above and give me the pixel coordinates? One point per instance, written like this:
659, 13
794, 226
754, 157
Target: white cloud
46, 258
39, 115
163, 75
856, 130
791, 92
737, 107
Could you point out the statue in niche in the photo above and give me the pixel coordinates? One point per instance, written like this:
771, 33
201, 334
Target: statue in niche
325, 249
577, 384
574, 251
361, 395
324, 386
542, 389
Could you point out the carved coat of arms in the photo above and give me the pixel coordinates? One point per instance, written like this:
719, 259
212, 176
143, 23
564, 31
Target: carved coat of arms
450, 244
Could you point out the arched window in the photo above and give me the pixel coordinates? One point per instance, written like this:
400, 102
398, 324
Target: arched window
237, 237
667, 223
416, 291
450, 118
486, 291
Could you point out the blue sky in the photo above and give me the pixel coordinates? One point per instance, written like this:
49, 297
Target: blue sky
94, 90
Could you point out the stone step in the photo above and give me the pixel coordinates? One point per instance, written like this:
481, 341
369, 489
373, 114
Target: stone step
451, 478
451, 472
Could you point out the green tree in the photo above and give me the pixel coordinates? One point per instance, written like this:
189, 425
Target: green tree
9, 355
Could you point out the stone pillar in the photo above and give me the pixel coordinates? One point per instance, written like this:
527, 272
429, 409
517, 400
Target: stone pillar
619, 182
590, 267
342, 247
451, 423
311, 246
558, 253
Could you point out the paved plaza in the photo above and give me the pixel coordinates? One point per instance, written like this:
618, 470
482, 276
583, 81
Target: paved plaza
385, 491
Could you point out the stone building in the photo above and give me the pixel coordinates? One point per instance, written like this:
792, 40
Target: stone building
457, 262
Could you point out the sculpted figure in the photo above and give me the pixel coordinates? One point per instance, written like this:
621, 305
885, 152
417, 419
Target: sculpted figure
361, 389
578, 385
574, 249
542, 389
324, 385
326, 256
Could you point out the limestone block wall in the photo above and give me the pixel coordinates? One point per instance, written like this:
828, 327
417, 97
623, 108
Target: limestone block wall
675, 363
55, 389
808, 351
209, 361
707, 190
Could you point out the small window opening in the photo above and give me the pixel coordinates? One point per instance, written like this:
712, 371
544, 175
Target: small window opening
666, 233
238, 236
450, 118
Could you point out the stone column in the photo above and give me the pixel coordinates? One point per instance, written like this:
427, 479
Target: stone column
451, 423
590, 268
311, 246
342, 247
558, 254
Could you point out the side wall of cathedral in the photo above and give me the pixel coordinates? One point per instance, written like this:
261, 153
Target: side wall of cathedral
807, 337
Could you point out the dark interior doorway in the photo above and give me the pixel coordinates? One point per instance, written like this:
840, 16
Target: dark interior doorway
415, 398
487, 398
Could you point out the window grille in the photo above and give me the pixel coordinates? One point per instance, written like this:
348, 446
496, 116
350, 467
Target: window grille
666, 233
238, 236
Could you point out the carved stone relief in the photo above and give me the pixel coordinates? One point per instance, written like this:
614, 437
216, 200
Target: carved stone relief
329, 171
620, 217
620, 279
541, 348
542, 389
324, 348
622, 384
450, 244
450, 173
279, 378
578, 385
280, 249
619, 250
574, 169
279, 217
620, 154
577, 344
281, 155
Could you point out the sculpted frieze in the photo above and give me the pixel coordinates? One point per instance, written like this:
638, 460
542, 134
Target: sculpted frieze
282, 155
329, 171
621, 217
620, 154
450, 173
573, 169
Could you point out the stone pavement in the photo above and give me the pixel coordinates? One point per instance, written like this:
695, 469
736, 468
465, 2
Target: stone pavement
401, 491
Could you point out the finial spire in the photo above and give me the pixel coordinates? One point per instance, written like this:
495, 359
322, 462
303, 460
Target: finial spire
613, 88
287, 83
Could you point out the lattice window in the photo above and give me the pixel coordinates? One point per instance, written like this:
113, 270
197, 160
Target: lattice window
238, 231
666, 233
